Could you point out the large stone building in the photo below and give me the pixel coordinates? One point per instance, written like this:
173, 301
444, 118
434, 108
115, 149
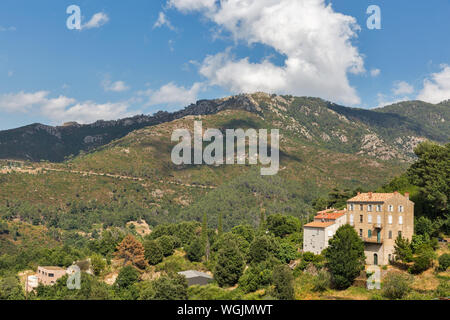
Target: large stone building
317, 233
379, 218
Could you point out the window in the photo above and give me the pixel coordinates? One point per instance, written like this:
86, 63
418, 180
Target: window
400, 220
390, 257
361, 219
378, 219
390, 219
369, 218
369, 208
391, 208
361, 232
379, 208
51, 275
400, 234
369, 233
351, 207
390, 234
330, 233
351, 219
361, 207
400, 208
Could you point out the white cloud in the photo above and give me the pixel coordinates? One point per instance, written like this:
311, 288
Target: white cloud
192, 5
4, 29
99, 19
62, 109
402, 87
315, 40
436, 88
384, 100
163, 21
172, 95
10, 73
118, 86
375, 72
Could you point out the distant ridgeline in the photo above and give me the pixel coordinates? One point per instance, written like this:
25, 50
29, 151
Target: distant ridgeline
387, 133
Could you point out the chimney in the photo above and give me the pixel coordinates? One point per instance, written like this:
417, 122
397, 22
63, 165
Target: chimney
359, 193
396, 192
370, 195
407, 195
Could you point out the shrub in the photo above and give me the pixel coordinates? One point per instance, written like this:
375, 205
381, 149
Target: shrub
322, 281
423, 261
153, 252
443, 290
283, 282
444, 262
167, 244
196, 250
396, 285
255, 277
127, 276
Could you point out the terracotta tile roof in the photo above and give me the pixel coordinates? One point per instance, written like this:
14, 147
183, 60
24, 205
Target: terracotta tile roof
330, 214
372, 197
317, 224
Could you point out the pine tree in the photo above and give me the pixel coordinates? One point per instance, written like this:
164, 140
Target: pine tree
345, 256
230, 264
132, 252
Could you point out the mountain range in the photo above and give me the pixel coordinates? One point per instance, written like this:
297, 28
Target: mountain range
126, 163
385, 133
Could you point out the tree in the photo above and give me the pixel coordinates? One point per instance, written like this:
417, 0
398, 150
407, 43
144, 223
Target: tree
444, 262
10, 289
153, 252
128, 276
255, 277
196, 250
98, 264
345, 256
246, 231
283, 282
167, 244
262, 248
132, 252
170, 288
403, 250
281, 225
423, 260
229, 265
396, 285
432, 173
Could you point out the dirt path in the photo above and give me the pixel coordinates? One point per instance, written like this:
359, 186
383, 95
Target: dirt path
35, 171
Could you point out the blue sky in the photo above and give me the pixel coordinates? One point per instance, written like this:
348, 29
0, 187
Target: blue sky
124, 62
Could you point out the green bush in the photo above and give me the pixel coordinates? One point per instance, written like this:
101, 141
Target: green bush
283, 282
196, 250
153, 252
127, 277
444, 262
229, 265
396, 285
423, 261
443, 290
255, 278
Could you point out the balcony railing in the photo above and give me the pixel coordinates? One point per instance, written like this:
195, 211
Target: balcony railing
374, 239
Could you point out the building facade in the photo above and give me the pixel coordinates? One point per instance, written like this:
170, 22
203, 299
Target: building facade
379, 218
317, 233
48, 276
